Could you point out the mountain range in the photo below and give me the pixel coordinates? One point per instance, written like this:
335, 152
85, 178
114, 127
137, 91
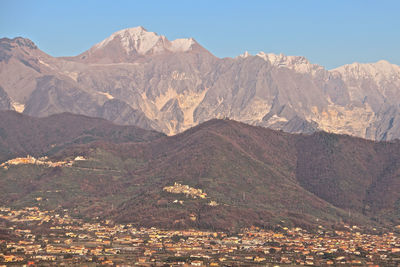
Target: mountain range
250, 175
136, 77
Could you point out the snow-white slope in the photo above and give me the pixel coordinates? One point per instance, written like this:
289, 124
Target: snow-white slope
141, 41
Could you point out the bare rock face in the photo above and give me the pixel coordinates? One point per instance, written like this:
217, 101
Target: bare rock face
141, 78
121, 113
53, 95
20, 65
5, 101
378, 87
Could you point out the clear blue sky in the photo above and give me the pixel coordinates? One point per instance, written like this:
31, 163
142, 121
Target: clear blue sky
327, 32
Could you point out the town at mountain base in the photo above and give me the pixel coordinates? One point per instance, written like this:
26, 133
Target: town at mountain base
136, 77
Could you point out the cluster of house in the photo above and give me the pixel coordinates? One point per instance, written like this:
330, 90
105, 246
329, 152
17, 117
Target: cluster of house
39, 161
178, 188
33, 236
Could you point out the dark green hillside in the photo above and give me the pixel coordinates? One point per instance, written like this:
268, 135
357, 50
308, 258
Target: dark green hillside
249, 171
251, 175
21, 134
351, 173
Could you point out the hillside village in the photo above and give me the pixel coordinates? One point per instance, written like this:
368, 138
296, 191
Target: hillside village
188, 191
178, 188
33, 236
44, 161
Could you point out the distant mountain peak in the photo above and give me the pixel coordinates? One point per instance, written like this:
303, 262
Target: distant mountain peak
283, 59
182, 45
381, 64
19, 41
138, 40
245, 55
129, 44
297, 63
378, 71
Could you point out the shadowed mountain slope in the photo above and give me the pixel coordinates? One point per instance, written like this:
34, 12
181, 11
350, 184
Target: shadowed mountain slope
21, 134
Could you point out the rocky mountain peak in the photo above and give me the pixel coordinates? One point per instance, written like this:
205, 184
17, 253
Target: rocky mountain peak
297, 63
182, 45
381, 70
18, 41
140, 41
133, 39
130, 44
244, 55
25, 42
